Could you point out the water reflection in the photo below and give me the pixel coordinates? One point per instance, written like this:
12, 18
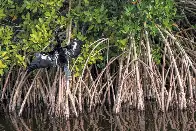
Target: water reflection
103, 120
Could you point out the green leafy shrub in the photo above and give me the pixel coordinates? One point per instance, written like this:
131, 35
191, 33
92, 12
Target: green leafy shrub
111, 19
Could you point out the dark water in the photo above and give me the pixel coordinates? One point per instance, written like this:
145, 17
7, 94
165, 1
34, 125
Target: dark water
102, 120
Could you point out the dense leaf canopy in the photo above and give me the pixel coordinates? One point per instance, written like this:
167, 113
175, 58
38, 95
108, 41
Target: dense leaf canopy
27, 26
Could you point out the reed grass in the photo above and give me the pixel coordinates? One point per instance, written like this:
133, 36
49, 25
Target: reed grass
128, 79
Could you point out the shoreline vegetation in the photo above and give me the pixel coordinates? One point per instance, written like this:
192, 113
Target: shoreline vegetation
146, 53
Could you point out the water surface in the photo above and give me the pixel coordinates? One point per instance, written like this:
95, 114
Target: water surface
101, 120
